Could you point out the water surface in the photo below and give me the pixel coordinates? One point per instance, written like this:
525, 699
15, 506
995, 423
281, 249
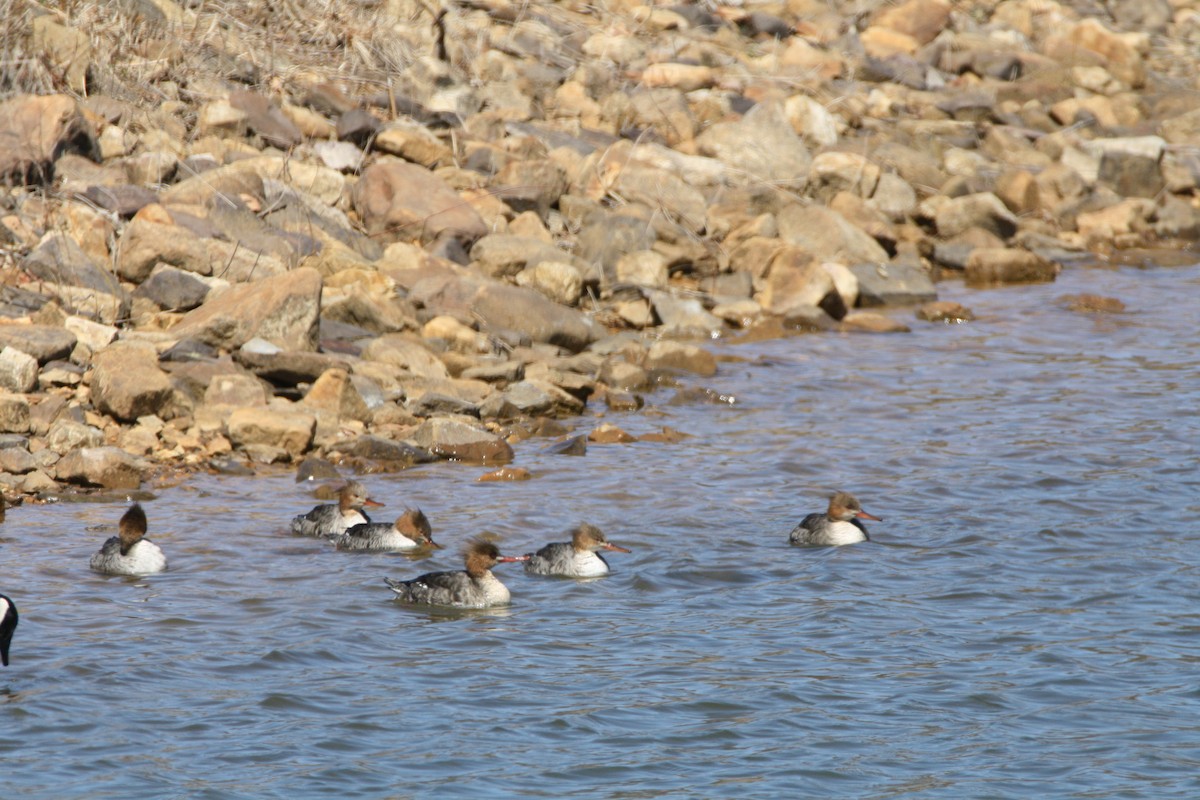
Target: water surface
1025, 622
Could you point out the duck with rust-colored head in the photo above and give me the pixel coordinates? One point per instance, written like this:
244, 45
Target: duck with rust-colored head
333, 519
130, 552
574, 559
410, 531
838, 525
473, 587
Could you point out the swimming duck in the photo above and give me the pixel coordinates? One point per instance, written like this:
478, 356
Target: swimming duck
838, 525
574, 559
473, 587
130, 553
333, 519
410, 530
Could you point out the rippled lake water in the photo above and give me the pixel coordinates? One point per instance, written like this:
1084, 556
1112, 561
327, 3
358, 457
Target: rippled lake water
1025, 622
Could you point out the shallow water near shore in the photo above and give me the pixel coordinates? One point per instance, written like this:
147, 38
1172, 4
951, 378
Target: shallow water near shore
1024, 623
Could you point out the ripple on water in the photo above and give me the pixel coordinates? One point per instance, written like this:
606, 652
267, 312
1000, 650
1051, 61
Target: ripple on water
1022, 624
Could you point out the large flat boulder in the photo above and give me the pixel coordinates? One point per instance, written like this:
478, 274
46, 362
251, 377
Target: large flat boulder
282, 309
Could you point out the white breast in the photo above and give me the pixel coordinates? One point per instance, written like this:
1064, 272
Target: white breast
495, 593
844, 533
589, 565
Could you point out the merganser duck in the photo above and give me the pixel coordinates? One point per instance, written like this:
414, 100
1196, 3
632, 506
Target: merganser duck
839, 525
574, 559
334, 519
410, 530
8, 624
474, 587
129, 553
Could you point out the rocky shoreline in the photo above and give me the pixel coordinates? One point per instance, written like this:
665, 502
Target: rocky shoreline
387, 233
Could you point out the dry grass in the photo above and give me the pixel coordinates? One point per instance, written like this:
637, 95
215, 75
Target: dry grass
138, 54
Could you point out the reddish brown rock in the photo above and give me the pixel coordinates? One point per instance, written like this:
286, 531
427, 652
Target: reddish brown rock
505, 474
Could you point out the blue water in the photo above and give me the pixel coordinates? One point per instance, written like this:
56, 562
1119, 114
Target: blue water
1024, 623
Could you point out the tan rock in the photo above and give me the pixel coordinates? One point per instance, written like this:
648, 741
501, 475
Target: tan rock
14, 413
923, 20
685, 77
290, 431
1121, 219
827, 235
882, 42
36, 131
401, 201
335, 395
413, 142
107, 467
406, 353
872, 322
557, 280
127, 383
69, 50
504, 474
643, 268
282, 309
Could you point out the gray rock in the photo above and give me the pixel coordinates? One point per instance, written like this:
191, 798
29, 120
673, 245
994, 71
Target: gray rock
890, 284
457, 441
828, 236
17, 460
529, 312
762, 145
1131, 166
684, 315
378, 448
288, 367
982, 210
606, 237
173, 289
432, 404
43, 342
405, 352
18, 371
66, 435
680, 357
65, 272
